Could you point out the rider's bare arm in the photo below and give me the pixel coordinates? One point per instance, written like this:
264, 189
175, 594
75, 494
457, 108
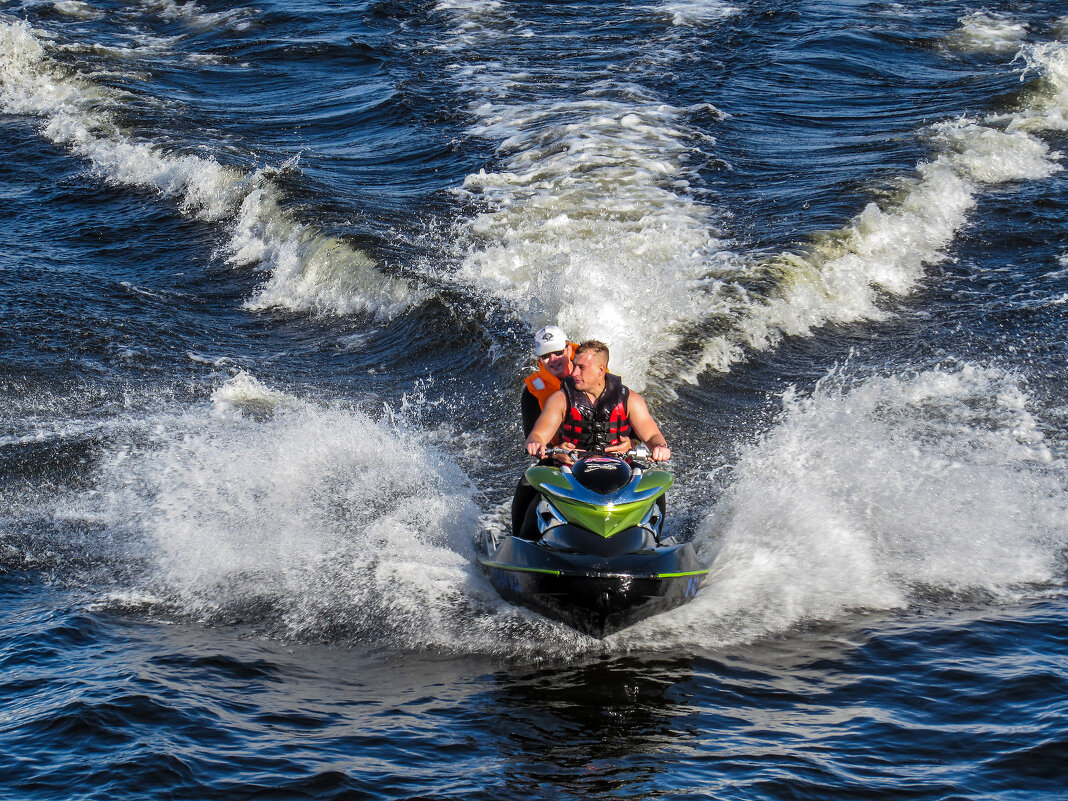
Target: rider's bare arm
646, 428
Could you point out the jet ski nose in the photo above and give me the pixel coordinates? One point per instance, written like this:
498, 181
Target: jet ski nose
602, 475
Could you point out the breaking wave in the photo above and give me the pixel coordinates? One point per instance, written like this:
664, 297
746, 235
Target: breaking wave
308, 270
843, 276
984, 32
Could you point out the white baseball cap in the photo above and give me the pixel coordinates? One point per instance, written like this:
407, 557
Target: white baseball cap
549, 340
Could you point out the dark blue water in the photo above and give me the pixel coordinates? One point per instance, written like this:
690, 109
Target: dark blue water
269, 278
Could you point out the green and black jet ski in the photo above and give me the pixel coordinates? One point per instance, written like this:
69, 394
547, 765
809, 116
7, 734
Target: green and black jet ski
590, 552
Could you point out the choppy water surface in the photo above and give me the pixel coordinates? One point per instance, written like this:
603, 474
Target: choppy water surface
269, 277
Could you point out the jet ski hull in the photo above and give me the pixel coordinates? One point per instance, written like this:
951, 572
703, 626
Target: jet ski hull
631, 579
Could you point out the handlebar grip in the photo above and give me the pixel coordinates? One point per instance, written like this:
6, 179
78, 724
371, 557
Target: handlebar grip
641, 451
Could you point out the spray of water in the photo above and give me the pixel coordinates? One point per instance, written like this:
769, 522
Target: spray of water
318, 521
307, 520
880, 494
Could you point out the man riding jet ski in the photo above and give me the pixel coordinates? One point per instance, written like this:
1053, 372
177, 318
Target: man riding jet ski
590, 551
593, 408
581, 412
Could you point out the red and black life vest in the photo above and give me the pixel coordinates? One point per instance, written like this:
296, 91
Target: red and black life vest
595, 426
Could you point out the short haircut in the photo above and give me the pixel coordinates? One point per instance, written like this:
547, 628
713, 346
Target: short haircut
594, 346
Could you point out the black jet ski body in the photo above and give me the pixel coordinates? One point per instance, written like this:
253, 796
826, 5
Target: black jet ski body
591, 552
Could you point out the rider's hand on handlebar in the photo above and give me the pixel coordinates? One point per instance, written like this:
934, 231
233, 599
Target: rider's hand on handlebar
660, 453
563, 458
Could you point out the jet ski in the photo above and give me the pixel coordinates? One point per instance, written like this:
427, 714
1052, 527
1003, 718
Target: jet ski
591, 552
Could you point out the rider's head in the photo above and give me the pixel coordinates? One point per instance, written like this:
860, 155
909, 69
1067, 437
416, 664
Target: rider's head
550, 344
590, 365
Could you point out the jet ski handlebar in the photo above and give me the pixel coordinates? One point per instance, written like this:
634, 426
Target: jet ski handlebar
637, 452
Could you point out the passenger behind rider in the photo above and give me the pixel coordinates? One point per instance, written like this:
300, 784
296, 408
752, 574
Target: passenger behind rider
554, 354
583, 394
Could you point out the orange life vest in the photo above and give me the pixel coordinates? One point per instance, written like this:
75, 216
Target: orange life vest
542, 383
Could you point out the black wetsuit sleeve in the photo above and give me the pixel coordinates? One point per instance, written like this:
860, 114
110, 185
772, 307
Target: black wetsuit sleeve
531, 411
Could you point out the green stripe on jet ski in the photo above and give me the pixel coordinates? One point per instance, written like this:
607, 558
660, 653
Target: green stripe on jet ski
517, 569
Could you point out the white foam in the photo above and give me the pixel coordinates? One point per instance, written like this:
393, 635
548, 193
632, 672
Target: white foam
147, 48
473, 8
213, 361
842, 276
77, 9
589, 224
590, 218
984, 32
245, 391
879, 495
170, 9
988, 155
696, 12
1045, 107
333, 519
309, 271
194, 15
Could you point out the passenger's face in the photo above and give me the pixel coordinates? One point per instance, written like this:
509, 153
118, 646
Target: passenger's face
556, 363
588, 371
